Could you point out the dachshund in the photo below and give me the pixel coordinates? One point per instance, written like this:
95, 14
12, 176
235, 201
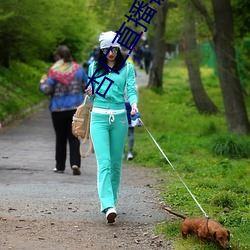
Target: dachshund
204, 229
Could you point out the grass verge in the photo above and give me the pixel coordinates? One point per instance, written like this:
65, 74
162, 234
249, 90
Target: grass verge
214, 164
19, 89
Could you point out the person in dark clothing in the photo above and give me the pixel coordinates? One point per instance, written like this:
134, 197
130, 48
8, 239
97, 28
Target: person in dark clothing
65, 84
93, 54
138, 56
147, 58
92, 57
130, 133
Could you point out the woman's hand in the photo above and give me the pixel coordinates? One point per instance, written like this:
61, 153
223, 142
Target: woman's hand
134, 109
89, 91
43, 79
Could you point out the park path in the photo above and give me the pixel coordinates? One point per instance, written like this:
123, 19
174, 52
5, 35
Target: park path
43, 210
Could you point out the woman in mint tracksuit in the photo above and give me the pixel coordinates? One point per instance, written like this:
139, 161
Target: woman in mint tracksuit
109, 123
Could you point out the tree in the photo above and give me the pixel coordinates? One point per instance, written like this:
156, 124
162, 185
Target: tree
173, 35
223, 38
201, 99
23, 33
159, 45
28, 33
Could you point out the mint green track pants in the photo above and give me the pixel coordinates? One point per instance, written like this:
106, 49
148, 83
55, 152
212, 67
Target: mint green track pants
108, 136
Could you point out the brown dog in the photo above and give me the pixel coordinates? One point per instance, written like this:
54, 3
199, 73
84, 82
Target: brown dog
204, 229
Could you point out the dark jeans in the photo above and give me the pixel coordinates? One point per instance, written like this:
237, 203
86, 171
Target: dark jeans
130, 129
62, 122
147, 65
131, 139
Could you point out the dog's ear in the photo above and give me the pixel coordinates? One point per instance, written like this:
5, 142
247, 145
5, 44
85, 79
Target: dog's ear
214, 235
228, 237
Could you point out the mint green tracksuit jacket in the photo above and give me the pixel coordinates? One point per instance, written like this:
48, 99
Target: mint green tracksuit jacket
109, 131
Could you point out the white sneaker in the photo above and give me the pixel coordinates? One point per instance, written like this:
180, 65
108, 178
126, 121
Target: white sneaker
58, 171
111, 214
130, 156
76, 170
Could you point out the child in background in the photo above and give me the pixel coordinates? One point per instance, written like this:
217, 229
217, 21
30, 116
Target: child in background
130, 133
130, 128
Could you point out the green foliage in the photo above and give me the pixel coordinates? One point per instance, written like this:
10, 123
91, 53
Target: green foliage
175, 22
41, 29
243, 59
241, 17
224, 200
19, 87
219, 183
231, 146
170, 230
114, 10
175, 25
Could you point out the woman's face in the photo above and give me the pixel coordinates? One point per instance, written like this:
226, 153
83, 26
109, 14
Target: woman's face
112, 53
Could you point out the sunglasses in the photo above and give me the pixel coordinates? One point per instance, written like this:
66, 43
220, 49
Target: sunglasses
114, 50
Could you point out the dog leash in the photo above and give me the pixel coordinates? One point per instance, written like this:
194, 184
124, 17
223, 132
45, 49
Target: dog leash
174, 170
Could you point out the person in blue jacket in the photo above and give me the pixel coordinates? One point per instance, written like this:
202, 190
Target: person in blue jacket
109, 124
65, 84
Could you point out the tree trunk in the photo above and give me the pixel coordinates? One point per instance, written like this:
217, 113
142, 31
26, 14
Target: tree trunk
159, 47
235, 109
201, 99
223, 38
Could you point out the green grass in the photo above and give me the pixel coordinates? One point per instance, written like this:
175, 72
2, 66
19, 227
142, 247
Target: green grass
19, 87
214, 164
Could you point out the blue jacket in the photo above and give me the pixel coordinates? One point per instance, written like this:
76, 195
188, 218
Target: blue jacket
65, 97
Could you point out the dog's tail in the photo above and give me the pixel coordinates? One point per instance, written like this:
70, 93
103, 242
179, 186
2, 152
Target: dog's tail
175, 213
